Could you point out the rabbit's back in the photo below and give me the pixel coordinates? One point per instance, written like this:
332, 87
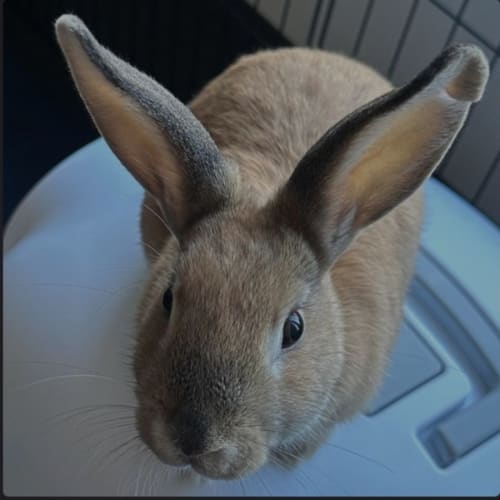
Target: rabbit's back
266, 110
264, 113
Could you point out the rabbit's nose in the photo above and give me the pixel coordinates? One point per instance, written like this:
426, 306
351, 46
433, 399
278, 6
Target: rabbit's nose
191, 433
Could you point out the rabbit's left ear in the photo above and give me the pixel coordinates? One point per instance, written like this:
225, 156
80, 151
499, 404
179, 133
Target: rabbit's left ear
380, 154
153, 134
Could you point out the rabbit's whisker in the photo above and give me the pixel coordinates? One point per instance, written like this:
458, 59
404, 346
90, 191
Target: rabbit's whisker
153, 249
72, 285
263, 483
125, 446
50, 363
162, 220
67, 377
364, 457
83, 411
139, 473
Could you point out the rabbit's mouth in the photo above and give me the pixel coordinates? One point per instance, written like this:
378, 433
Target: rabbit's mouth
226, 463
230, 460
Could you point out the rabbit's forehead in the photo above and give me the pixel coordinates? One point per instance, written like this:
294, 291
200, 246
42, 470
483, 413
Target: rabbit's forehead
246, 268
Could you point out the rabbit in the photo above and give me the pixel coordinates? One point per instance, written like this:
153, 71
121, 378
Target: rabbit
281, 220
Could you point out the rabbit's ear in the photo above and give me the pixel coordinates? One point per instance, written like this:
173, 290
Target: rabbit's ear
152, 133
380, 154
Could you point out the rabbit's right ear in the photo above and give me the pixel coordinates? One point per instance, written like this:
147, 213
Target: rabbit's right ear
152, 133
380, 154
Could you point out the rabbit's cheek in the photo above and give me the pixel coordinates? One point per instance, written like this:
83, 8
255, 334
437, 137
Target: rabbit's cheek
163, 445
153, 432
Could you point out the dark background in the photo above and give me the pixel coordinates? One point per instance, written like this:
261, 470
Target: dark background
181, 43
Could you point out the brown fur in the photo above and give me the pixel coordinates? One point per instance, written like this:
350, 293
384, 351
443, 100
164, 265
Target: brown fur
300, 199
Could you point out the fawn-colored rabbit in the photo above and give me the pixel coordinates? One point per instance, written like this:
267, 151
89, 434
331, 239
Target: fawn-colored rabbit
281, 219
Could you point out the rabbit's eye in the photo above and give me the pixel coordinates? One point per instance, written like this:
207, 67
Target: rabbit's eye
167, 301
292, 329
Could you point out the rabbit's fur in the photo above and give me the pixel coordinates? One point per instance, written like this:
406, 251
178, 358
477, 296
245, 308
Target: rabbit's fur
274, 210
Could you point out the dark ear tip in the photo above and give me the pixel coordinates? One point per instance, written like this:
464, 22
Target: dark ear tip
466, 71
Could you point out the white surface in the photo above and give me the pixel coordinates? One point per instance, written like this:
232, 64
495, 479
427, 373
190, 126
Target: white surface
73, 270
